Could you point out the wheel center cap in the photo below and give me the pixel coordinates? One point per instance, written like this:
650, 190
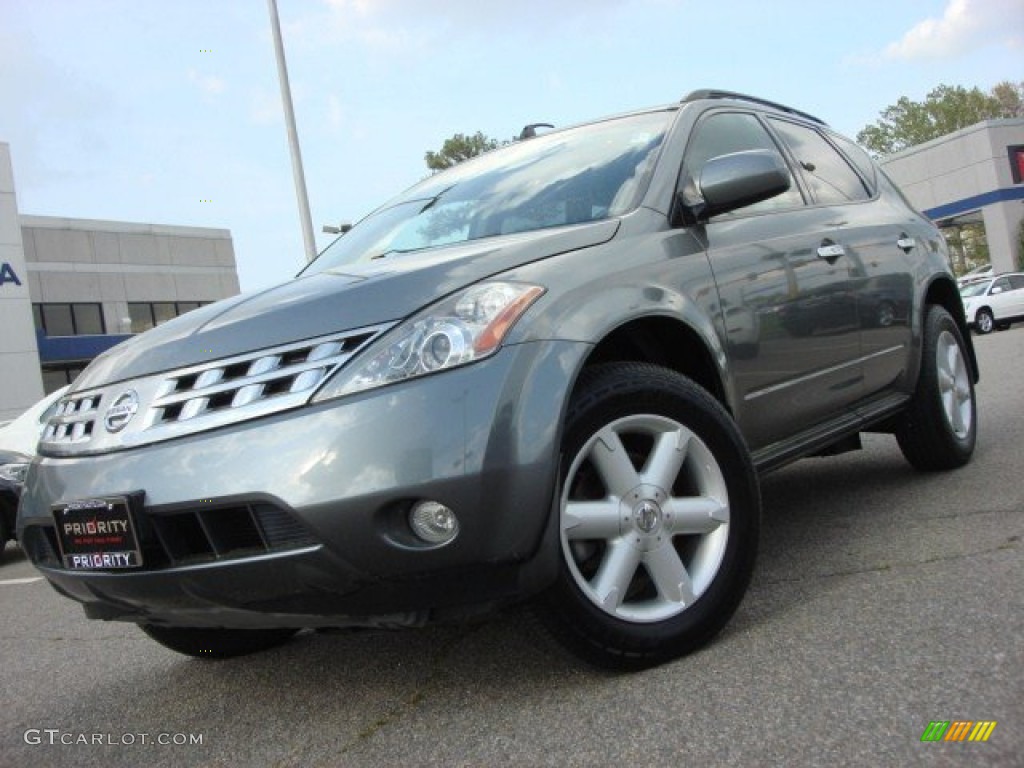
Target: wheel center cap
647, 516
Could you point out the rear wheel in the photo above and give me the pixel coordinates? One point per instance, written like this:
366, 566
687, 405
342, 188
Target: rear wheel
984, 322
659, 518
217, 643
4, 533
939, 428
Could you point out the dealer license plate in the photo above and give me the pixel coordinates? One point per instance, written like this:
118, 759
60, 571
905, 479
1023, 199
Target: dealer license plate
97, 534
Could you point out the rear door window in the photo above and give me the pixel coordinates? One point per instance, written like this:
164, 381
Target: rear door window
828, 174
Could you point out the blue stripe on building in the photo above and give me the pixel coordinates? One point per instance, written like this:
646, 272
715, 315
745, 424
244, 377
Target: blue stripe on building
975, 202
66, 349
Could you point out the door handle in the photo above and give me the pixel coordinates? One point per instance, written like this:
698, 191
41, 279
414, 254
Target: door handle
906, 244
830, 251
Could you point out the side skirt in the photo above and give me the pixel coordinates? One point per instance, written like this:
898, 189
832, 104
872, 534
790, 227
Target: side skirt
818, 440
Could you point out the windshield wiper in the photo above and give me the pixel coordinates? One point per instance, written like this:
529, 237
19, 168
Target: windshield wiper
433, 201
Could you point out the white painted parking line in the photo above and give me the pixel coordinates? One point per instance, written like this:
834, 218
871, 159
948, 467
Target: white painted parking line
12, 582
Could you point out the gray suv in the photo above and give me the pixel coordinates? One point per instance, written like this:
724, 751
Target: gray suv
552, 372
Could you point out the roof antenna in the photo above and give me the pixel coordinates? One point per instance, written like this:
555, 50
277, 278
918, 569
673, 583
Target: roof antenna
531, 130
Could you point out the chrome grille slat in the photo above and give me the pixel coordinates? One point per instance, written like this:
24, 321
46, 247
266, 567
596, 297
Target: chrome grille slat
232, 385
204, 396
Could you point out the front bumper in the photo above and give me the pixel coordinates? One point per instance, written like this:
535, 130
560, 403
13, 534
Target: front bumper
298, 519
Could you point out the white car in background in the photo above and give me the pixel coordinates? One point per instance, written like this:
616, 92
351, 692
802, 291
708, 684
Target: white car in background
22, 434
18, 440
984, 272
994, 303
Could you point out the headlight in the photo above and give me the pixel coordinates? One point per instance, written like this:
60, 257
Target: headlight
461, 329
15, 473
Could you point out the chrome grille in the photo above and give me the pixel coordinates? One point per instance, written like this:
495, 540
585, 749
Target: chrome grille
74, 419
199, 397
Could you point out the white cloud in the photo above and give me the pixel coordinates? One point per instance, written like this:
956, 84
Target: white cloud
965, 25
397, 26
211, 86
265, 107
335, 114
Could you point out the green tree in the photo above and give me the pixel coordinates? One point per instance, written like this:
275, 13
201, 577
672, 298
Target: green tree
945, 110
1020, 245
458, 148
1011, 99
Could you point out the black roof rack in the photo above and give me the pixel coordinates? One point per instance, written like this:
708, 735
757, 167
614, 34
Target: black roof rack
708, 93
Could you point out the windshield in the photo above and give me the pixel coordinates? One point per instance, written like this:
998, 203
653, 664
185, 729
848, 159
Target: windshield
975, 289
567, 177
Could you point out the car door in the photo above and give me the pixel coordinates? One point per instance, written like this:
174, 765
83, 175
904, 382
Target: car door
1000, 298
1015, 296
787, 312
875, 239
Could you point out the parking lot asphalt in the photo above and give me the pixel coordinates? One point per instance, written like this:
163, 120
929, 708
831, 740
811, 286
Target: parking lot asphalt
883, 599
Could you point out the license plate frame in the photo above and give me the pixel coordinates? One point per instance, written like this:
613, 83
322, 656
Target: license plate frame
97, 534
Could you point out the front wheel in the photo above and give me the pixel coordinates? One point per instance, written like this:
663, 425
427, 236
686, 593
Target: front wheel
984, 321
940, 426
216, 643
659, 518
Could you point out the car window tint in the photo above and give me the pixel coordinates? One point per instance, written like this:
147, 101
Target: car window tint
1002, 284
1016, 281
724, 133
828, 174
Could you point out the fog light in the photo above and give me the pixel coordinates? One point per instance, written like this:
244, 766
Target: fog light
433, 522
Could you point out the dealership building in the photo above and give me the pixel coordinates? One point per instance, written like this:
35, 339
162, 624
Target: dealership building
972, 176
72, 288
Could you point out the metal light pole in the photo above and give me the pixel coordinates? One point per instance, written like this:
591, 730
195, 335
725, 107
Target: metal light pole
293, 139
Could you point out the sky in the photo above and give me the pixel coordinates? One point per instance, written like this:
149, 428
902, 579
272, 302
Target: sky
170, 112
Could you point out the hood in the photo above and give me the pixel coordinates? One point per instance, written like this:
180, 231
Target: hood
364, 294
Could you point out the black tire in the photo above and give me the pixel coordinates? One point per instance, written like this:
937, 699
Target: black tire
886, 314
8, 509
983, 321
655, 620
4, 533
940, 427
216, 643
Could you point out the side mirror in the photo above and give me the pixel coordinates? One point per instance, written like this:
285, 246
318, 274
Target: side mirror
996, 289
728, 182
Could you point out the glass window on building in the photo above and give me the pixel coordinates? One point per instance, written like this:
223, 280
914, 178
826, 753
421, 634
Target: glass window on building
57, 320
141, 316
88, 319
57, 376
68, 319
164, 311
146, 315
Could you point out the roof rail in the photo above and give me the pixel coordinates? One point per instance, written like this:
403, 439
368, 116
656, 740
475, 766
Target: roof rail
709, 93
